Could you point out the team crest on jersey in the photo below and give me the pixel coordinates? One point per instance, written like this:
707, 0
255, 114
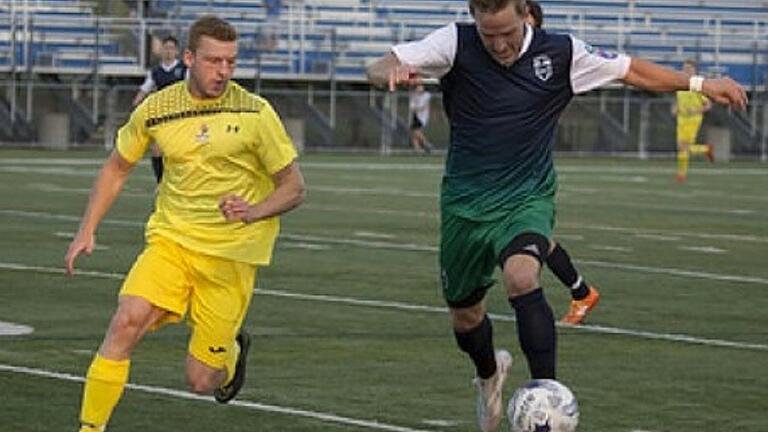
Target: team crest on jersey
542, 67
202, 136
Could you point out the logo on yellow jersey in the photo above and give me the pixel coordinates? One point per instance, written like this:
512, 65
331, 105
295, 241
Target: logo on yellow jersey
202, 136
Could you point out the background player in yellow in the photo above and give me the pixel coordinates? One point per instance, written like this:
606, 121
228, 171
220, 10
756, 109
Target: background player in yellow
231, 170
690, 107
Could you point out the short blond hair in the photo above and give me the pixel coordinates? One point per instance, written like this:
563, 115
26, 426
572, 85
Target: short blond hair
210, 26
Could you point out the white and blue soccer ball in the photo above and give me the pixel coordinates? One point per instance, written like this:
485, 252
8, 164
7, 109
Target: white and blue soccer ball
543, 405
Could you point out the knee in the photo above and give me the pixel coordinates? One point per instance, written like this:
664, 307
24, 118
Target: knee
522, 279
126, 324
466, 319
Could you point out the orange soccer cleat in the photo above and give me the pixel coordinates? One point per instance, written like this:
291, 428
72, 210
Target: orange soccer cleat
580, 308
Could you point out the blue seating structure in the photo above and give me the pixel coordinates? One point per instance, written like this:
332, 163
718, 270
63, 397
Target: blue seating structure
312, 39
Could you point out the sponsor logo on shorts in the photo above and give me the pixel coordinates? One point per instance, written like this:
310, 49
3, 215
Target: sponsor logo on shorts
217, 350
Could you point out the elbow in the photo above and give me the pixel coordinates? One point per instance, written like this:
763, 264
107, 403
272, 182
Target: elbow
299, 194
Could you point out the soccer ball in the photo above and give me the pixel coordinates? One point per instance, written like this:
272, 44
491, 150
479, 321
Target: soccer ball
543, 405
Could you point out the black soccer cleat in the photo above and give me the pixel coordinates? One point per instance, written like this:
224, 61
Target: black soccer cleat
228, 392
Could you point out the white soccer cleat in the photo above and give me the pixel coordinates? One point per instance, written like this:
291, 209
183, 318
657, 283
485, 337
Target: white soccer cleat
489, 394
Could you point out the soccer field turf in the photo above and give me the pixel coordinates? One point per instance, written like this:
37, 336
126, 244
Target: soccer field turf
350, 330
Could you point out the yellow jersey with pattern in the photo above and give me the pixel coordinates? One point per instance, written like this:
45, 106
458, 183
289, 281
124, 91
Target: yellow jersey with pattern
689, 106
232, 144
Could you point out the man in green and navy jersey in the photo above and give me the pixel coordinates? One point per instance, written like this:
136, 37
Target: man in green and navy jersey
504, 86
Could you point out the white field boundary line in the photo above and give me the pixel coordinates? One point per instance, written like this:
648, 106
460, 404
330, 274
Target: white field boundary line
430, 309
325, 417
418, 166
413, 247
414, 194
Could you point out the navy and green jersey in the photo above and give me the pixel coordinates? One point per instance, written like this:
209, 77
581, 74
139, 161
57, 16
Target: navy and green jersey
503, 118
161, 76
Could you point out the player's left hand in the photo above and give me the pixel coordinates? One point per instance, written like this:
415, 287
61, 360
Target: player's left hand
235, 209
725, 91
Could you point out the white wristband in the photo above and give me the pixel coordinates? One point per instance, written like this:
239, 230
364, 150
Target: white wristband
695, 83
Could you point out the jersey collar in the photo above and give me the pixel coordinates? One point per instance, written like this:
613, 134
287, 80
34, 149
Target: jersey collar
526, 40
169, 67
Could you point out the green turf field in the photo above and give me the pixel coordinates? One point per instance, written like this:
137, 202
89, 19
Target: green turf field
350, 334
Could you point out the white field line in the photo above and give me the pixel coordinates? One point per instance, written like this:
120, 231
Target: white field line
326, 417
430, 309
415, 194
436, 166
428, 248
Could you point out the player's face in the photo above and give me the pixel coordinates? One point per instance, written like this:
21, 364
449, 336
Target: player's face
210, 67
502, 33
689, 69
170, 51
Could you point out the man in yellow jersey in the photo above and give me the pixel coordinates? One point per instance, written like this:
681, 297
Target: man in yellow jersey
231, 170
690, 107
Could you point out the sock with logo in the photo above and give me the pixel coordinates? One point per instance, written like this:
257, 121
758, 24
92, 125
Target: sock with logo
561, 265
104, 385
536, 332
231, 362
478, 343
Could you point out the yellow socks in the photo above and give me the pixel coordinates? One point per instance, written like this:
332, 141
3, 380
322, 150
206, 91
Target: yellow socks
698, 148
104, 385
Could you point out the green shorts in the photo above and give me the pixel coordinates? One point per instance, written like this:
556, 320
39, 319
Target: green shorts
470, 250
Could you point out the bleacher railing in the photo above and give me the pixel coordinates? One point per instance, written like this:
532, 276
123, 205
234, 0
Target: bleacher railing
313, 40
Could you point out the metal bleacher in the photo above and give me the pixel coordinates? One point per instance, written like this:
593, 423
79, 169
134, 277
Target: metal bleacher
319, 38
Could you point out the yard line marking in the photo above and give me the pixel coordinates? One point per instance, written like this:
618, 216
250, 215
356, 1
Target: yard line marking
384, 304
507, 318
657, 237
258, 406
421, 166
373, 191
703, 249
71, 235
415, 194
303, 245
371, 234
14, 329
428, 248
676, 272
611, 248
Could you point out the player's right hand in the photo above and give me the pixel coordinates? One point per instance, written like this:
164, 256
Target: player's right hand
81, 243
403, 74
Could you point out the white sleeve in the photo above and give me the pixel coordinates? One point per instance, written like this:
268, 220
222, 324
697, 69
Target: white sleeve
434, 54
149, 83
593, 67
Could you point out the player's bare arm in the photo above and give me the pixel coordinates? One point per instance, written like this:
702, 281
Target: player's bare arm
651, 76
390, 72
106, 188
289, 193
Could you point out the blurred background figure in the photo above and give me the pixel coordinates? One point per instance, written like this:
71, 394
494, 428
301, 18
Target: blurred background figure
690, 107
419, 106
169, 71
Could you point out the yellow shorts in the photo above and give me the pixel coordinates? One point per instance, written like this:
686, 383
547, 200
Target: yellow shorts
215, 291
688, 132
